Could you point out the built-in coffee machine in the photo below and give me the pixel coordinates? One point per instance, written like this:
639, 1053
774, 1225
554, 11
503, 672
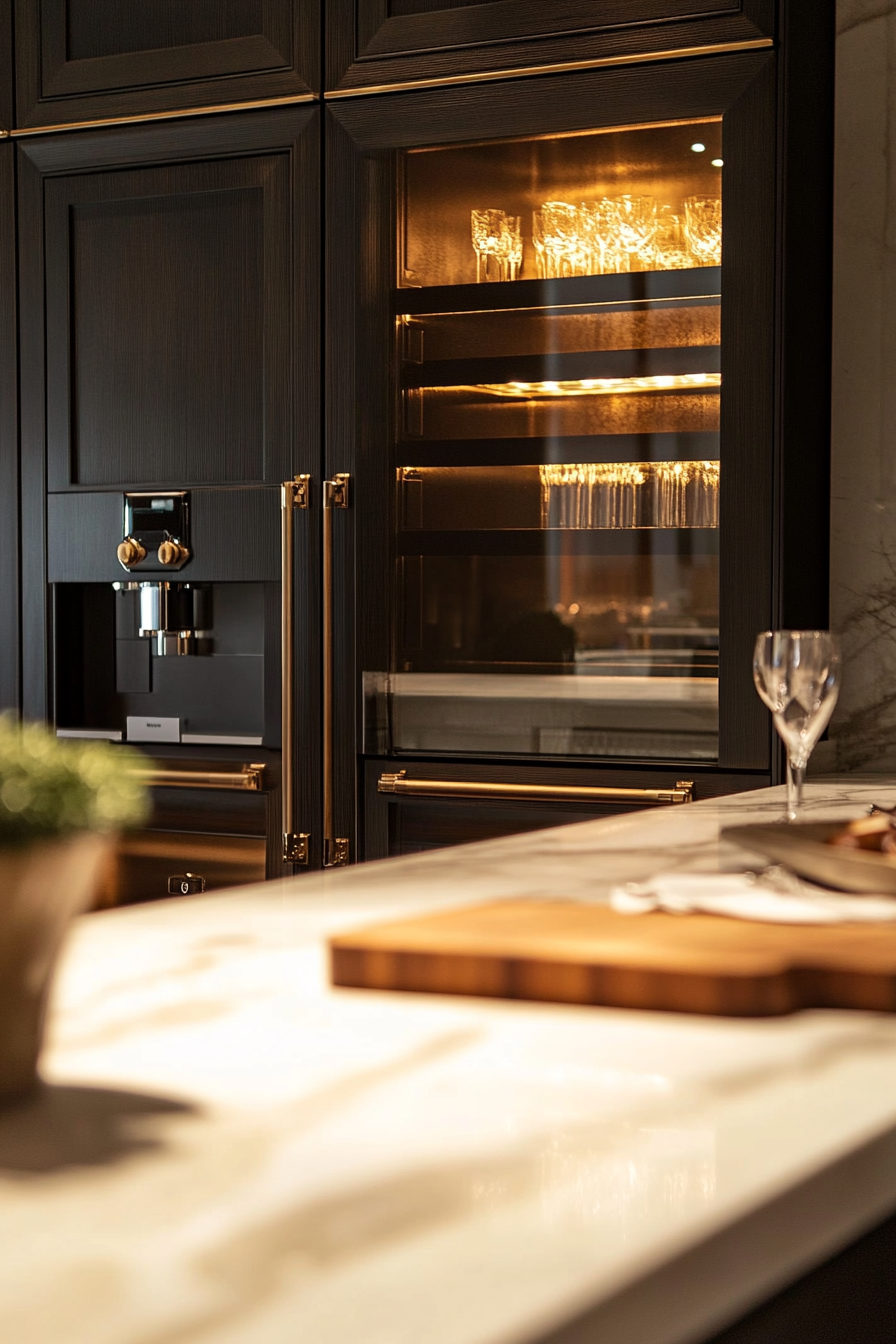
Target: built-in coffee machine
153, 647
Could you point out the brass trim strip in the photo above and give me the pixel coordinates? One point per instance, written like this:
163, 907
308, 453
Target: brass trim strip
163, 116
442, 788
557, 67
336, 496
294, 495
250, 778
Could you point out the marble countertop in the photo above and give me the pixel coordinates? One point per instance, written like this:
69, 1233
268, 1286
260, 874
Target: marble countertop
227, 1151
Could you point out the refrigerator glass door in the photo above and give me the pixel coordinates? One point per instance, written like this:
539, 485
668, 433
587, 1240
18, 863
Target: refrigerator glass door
558, 461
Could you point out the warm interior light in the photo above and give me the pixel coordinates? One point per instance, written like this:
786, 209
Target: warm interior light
590, 387
698, 148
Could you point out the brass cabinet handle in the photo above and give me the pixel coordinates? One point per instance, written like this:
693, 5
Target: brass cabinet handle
250, 778
335, 497
561, 793
294, 495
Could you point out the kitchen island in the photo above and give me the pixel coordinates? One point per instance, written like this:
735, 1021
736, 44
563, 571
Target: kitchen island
228, 1151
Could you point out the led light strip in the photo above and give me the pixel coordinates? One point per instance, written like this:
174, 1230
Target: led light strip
592, 387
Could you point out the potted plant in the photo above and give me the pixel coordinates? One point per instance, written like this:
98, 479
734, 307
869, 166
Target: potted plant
60, 804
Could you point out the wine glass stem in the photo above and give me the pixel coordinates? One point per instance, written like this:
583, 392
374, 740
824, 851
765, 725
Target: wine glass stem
795, 776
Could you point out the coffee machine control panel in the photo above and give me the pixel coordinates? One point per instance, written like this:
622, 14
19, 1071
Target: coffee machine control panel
156, 532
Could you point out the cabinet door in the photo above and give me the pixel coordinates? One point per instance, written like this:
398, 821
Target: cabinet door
169, 282
100, 60
375, 44
9, 478
474, 406
178, 267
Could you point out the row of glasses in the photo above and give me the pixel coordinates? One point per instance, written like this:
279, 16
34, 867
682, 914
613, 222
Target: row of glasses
614, 234
629, 494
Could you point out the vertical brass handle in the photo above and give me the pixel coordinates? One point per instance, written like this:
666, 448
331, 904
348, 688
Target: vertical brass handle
293, 495
335, 497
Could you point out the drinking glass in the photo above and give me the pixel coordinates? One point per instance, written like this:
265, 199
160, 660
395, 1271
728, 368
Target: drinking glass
497, 244
669, 248
703, 229
560, 234
797, 675
636, 222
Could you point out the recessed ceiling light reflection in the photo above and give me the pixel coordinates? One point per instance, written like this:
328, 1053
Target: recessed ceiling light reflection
718, 163
698, 148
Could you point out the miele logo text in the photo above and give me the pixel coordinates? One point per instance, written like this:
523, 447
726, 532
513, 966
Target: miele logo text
152, 725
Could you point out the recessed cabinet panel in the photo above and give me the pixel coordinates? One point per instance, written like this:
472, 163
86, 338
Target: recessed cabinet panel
381, 43
182, 388
96, 30
169, 323
91, 59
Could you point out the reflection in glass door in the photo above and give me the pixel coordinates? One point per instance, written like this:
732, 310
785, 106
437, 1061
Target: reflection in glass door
558, 467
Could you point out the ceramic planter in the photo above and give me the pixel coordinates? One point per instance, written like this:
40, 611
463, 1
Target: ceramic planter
42, 886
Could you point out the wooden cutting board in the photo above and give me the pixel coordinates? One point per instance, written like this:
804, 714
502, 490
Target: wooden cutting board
565, 952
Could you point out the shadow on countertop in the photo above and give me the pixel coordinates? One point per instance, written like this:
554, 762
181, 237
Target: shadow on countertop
57, 1127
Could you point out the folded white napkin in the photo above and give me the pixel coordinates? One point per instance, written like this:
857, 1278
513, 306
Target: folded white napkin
775, 896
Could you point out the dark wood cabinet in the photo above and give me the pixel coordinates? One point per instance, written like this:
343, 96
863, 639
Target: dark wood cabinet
97, 60
378, 44
171, 338
9, 474
175, 348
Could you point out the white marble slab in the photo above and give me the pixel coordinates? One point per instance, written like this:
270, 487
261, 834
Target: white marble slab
227, 1151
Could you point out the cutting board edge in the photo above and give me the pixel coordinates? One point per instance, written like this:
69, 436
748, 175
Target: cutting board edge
543, 980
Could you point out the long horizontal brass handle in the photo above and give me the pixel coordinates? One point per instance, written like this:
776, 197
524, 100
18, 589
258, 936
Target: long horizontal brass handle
251, 777
560, 793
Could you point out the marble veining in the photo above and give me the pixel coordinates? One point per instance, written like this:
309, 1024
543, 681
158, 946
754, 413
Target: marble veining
228, 1151
853, 13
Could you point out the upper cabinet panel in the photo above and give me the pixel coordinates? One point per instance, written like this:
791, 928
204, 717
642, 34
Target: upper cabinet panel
178, 268
377, 44
89, 60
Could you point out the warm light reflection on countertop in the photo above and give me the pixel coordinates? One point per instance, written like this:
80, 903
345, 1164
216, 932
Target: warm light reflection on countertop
230, 1151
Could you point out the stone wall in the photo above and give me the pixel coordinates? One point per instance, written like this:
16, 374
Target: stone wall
863, 487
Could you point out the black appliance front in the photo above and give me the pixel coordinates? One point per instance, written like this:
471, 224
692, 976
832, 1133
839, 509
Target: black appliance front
179, 656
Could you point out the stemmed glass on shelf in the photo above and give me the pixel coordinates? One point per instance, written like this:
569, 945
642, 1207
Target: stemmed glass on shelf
797, 675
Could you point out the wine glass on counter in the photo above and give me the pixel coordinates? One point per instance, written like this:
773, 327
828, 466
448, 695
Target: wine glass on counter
797, 675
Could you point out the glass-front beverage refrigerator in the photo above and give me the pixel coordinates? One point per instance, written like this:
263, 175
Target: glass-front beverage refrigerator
563, 388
